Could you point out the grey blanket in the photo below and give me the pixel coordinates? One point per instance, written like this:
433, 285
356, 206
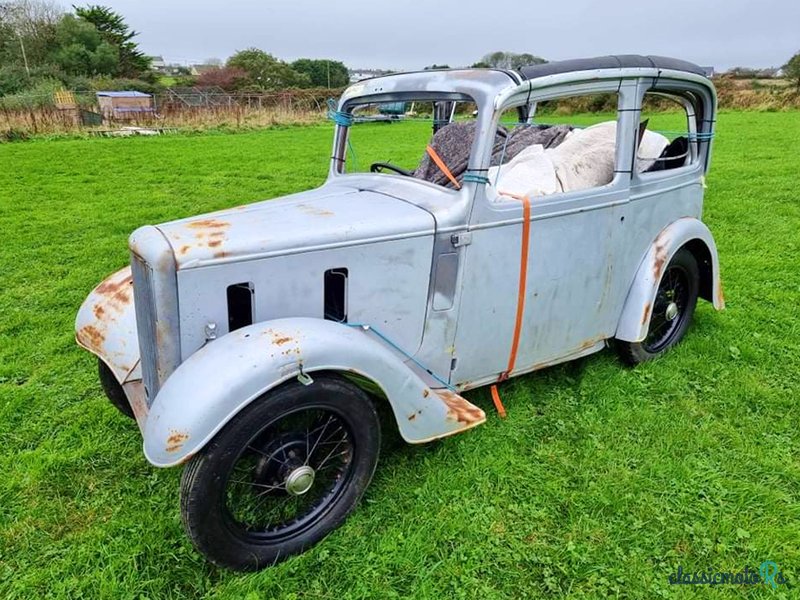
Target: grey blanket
453, 144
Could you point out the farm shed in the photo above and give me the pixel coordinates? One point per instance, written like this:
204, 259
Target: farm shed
126, 105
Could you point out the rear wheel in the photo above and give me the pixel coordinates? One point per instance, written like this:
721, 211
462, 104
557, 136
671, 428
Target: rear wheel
282, 474
672, 310
113, 389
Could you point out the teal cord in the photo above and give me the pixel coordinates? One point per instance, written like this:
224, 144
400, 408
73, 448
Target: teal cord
403, 352
475, 178
343, 119
698, 136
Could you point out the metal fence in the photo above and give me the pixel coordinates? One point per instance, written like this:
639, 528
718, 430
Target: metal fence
173, 108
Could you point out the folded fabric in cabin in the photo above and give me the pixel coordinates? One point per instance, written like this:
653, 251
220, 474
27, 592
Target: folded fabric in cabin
453, 143
525, 136
583, 159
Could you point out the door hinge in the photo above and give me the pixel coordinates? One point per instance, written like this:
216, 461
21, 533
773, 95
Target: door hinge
461, 239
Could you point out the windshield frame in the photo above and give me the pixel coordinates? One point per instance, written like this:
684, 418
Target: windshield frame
478, 86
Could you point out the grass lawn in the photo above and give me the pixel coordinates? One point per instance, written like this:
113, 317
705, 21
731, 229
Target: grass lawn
601, 482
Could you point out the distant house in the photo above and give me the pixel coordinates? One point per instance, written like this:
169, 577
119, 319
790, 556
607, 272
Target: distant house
162, 67
708, 71
200, 69
127, 105
157, 63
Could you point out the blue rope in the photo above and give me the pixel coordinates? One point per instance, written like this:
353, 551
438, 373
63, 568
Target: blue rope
700, 136
403, 352
342, 119
475, 178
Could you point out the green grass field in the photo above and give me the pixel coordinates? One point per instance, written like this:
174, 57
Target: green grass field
601, 482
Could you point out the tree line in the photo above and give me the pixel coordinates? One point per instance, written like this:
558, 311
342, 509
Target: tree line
43, 48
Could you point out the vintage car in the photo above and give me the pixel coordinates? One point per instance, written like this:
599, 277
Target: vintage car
254, 344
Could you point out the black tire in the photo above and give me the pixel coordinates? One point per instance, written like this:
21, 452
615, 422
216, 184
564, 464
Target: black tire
256, 457
679, 285
113, 389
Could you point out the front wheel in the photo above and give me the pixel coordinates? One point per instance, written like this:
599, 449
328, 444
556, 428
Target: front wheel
671, 313
282, 474
113, 390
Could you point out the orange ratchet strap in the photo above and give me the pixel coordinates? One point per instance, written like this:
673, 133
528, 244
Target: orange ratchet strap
523, 280
442, 167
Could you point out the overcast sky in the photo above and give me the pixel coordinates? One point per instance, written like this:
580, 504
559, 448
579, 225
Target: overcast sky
411, 35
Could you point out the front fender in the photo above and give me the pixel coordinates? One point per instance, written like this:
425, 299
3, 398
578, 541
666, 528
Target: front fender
224, 376
635, 316
106, 325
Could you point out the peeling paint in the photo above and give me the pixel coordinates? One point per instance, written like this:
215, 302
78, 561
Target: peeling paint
176, 440
661, 243
460, 410
315, 211
208, 224
91, 337
646, 314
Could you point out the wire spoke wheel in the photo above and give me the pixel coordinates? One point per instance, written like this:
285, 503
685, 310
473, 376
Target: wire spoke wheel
281, 474
671, 313
289, 473
669, 309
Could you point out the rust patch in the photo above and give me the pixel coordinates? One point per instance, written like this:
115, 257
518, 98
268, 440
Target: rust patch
314, 210
459, 410
176, 440
278, 338
661, 256
136, 400
646, 314
589, 343
209, 233
91, 337
98, 311
111, 287
412, 416
209, 224
121, 298
425, 393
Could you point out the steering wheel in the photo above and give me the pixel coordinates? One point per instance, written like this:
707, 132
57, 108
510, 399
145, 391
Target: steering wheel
378, 167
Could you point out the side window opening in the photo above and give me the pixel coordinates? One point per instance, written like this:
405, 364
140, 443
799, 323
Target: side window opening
335, 292
566, 144
669, 126
240, 305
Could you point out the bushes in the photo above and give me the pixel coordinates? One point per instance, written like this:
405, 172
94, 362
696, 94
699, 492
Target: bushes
39, 96
110, 84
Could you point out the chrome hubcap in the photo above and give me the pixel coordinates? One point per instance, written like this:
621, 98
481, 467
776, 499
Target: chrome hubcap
671, 312
300, 480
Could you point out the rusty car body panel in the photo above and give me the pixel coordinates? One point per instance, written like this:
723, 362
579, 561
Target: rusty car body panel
274, 351
431, 273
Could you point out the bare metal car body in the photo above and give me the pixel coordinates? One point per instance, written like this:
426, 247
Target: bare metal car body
431, 273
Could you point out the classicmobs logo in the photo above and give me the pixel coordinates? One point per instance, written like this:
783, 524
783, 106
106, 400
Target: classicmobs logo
768, 574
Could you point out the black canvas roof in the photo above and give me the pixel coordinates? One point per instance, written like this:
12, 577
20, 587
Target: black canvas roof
609, 62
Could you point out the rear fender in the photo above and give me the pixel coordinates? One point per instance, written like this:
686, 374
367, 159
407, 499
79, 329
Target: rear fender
690, 232
224, 376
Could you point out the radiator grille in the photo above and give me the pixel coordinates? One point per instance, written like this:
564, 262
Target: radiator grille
146, 316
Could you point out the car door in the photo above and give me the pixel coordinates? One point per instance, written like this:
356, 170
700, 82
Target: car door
573, 293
